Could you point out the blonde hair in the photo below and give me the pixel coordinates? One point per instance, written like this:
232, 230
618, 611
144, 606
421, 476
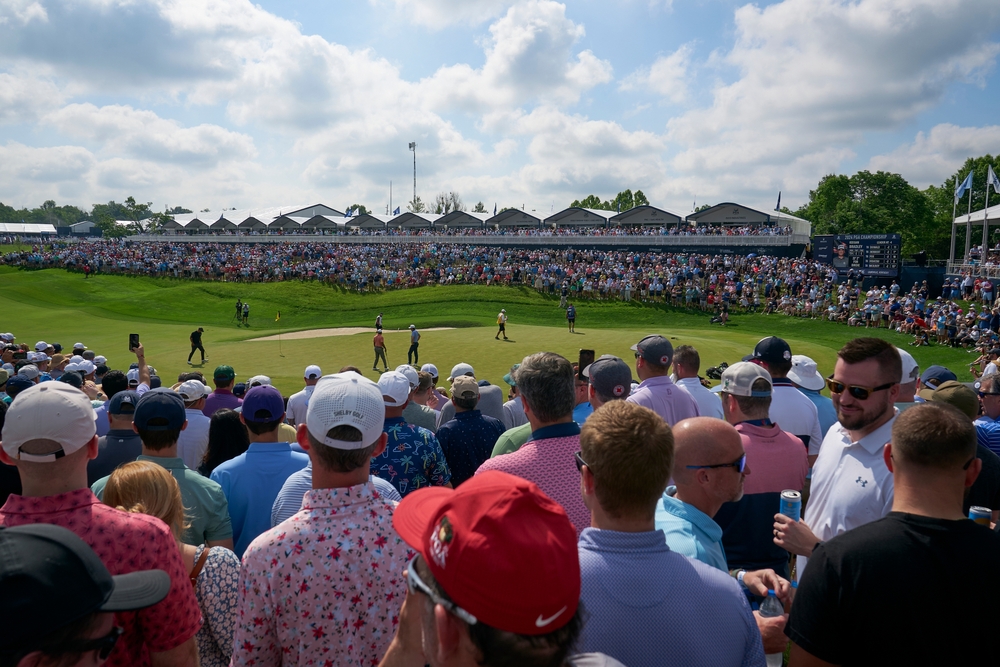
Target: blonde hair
147, 488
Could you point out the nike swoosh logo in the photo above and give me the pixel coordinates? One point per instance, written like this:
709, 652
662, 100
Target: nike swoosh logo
542, 622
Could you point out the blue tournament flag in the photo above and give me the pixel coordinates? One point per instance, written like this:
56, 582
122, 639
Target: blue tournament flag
494, 209
777, 207
965, 185
349, 212
991, 179
395, 211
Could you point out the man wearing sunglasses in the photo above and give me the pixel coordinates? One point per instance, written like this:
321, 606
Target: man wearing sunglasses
59, 599
987, 426
861, 601
851, 485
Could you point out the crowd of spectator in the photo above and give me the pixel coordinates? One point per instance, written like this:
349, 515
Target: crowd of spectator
615, 514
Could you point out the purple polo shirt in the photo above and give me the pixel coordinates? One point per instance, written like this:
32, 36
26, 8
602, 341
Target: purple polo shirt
665, 398
221, 399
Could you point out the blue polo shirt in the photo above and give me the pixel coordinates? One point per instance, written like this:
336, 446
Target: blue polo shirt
824, 406
251, 482
649, 606
689, 531
467, 441
988, 433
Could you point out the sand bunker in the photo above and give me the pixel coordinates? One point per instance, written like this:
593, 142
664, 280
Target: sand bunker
340, 331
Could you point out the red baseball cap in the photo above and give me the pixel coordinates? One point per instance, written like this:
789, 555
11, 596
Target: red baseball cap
502, 550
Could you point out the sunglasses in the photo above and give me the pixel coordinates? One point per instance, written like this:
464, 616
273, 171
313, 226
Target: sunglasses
988, 393
579, 461
415, 583
103, 645
740, 464
860, 393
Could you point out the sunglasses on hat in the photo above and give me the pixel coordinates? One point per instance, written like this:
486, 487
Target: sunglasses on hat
856, 391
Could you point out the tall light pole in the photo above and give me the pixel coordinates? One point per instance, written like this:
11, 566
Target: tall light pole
413, 147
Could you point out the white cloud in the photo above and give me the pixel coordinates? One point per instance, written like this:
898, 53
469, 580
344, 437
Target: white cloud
443, 13
21, 12
43, 165
529, 58
667, 76
124, 131
25, 98
934, 156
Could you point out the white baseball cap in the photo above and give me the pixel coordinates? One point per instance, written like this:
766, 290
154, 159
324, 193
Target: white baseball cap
345, 399
29, 371
132, 375
739, 378
258, 380
79, 346
312, 373
804, 373
87, 366
48, 411
430, 368
395, 388
911, 369
41, 346
461, 369
100, 360
192, 390
410, 374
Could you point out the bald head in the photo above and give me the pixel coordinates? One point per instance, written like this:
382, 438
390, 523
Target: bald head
703, 441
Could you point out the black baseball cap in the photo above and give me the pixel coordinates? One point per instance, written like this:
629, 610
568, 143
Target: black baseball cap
50, 578
772, 350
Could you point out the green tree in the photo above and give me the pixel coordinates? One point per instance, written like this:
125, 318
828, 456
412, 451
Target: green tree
358, 209
135, 213
416, 206
109, 228
823, 201
702, 208
479, 208
640, 199
177, 210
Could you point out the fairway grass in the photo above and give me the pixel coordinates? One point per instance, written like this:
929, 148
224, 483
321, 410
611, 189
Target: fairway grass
57, 306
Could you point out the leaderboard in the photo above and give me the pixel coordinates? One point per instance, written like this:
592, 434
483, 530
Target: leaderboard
868, 254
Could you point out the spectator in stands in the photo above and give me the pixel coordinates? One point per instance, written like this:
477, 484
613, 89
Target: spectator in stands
251, 481
807, 379
468, 439
159, 418
298, 402
122, 443
51, 457
625, 460
357, 593
227, 439
529, 614
223, 396
790, 409
59, 599
687, 363
851, 484
653, 356
546, 382
490, 398
141, 486
413, 457
778, 460
864, 578
192, 443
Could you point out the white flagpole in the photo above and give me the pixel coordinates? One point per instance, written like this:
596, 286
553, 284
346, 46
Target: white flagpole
986, 222
954, 208
968, 223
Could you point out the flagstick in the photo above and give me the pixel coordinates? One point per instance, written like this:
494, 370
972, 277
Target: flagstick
968, 224
954, 207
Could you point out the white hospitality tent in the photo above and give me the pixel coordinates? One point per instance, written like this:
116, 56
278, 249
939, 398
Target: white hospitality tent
411, 220
992, 217
462, 220
646, 216
513, 217
29, 228
729, 214
575, 216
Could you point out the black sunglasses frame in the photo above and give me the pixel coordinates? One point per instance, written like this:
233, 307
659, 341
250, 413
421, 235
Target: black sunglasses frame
103, 645
740, 464
854, 390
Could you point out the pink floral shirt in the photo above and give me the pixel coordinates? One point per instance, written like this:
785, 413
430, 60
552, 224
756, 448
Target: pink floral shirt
324, 587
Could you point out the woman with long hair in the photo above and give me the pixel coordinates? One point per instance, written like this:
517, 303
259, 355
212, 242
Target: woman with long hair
227, 439
147, 488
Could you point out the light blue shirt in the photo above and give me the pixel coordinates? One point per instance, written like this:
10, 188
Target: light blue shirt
689, 531
649, 606
251, 482
289, 500
824, 406
581, 412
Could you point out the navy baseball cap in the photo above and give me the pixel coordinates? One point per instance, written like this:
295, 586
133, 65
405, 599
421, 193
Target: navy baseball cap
159, 410
772, 350
655, 349
123, 403
934, 376
16, 384
263, 404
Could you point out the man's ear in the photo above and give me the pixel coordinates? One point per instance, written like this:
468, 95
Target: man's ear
380, 447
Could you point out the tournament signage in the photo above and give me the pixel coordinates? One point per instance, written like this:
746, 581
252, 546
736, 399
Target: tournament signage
867, 254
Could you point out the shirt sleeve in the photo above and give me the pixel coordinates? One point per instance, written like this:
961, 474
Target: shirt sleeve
255, 641
218, 589
219, 526
815, 622
177, 618
435, 465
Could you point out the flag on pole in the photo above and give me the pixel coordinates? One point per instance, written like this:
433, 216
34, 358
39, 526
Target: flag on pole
395, 211
991, 179
777, 207
349, 212
278, 316
494, 209
965, 185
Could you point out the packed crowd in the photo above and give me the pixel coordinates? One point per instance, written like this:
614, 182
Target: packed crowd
613, 514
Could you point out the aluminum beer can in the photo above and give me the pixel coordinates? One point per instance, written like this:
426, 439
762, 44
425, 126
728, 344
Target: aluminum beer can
981, 515
791, 504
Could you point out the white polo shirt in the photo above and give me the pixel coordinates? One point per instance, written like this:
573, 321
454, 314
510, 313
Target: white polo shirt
851, 485
709, 404
295, 411
193, 440
793, 412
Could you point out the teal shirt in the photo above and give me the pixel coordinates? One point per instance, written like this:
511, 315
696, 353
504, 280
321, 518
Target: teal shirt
690, 531
205, 505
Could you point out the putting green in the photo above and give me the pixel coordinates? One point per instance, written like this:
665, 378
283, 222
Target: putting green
57, 306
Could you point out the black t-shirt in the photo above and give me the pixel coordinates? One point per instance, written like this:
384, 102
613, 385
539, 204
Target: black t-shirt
196, 338
903, 590
985, 492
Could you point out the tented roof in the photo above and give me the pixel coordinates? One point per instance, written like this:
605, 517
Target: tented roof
576, 216
647, 215
26, 228
513, 217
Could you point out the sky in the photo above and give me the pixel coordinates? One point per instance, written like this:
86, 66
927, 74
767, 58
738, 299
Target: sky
213, 104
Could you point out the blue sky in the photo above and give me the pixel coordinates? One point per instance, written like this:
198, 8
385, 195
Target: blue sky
223, 103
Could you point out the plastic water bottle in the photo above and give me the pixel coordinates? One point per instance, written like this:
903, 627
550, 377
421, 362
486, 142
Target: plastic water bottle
771, 607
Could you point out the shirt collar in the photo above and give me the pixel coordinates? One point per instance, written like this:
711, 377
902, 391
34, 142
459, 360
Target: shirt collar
656, 380
874, 441
63, 502
168, 462
468, 414
258, 447
781, 382
563, 430
691, 514
597, 539
339, 497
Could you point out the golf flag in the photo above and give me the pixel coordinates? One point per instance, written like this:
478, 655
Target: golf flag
395, 211
991, 179
278, 316
965, 185
349, 212
494, 209
777, 207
